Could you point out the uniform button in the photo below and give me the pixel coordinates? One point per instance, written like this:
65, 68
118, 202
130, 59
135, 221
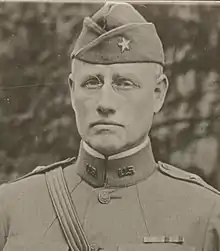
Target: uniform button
104, 197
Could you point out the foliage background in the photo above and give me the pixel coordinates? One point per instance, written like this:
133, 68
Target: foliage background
37, 124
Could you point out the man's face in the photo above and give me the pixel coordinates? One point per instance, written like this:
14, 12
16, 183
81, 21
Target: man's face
114, 104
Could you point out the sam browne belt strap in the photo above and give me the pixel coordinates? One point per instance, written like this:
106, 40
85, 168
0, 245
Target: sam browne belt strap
65, 210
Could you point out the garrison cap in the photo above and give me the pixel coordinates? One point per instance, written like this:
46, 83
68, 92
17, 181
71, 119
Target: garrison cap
117, 33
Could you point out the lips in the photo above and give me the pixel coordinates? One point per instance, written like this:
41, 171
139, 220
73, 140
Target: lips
110, 123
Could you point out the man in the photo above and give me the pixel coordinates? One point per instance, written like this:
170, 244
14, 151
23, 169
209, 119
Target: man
114, 196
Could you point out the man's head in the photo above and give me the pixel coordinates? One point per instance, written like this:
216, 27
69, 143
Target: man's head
116, 89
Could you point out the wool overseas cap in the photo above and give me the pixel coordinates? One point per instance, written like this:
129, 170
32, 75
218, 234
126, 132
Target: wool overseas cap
117, 33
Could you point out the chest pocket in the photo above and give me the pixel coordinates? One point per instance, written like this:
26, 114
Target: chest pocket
155, 247
25, 245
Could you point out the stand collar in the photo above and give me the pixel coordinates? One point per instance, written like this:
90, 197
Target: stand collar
119, 170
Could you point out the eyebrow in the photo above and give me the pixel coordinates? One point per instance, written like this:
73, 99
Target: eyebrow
134, 81
117, 76
99, 76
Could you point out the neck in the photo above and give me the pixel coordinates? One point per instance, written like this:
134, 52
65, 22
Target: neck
119, 155
120, 170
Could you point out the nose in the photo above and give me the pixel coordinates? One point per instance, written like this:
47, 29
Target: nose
107, 101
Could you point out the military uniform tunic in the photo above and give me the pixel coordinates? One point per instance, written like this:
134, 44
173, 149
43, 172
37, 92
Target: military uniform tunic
130, 203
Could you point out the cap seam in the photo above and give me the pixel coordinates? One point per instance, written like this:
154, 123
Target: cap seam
119, 62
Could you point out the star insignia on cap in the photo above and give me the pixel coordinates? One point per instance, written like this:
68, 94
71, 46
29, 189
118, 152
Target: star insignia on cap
124, 44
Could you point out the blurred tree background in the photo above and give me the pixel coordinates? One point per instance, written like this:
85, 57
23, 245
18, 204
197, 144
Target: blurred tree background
37, 124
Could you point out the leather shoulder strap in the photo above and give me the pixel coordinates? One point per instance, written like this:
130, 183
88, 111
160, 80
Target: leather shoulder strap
65, 210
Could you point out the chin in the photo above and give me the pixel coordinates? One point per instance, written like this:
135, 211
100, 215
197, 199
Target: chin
106, 145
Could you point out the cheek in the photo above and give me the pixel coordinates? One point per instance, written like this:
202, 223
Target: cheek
141, 111
83, 106
80, 109
82, 116
143, 104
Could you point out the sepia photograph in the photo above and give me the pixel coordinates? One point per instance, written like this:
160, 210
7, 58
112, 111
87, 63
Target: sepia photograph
110, 126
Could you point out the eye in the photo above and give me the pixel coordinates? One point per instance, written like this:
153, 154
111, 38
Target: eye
92, 83
124, 83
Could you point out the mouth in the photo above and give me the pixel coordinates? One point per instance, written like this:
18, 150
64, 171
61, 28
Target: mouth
105, 123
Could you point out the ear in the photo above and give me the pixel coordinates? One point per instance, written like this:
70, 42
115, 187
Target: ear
160, 92
71, 84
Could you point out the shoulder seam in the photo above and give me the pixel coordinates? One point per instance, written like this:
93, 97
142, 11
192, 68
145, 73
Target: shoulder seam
192, 178
44, 169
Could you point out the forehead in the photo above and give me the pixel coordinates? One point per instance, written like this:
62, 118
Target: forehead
80, 68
